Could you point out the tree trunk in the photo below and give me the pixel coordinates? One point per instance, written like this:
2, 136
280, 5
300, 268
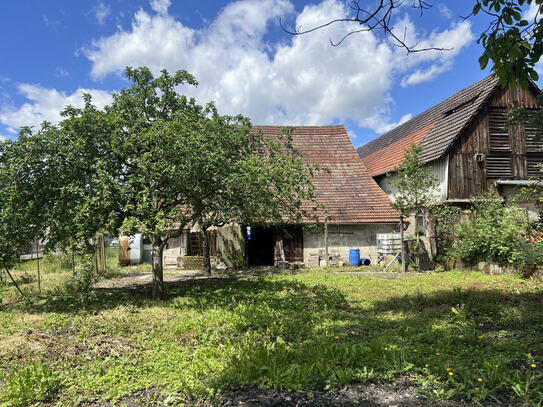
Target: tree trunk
158, 274
205, 248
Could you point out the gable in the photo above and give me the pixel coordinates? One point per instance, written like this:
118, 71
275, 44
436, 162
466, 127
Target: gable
347, 190
447, 119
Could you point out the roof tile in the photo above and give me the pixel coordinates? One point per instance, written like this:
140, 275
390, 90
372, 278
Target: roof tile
348, 191
447, 118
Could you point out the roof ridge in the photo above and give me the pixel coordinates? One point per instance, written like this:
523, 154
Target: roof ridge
298, 127
366, 149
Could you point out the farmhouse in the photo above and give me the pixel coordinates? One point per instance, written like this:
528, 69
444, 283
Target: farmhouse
356, 209
465, 143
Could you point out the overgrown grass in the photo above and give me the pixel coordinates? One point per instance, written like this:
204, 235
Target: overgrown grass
455, 334
56, 272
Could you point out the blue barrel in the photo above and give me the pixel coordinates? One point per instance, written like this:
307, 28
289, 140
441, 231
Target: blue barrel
364, 261
354, 257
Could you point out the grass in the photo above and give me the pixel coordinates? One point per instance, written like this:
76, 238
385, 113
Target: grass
56, 274
456, 335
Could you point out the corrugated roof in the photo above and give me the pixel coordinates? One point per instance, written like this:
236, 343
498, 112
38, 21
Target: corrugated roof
447, 119
349, 193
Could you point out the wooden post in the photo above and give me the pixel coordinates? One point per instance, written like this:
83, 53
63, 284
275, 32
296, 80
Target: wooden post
103, 252
14, 282
404, 268
326, 241
38, 263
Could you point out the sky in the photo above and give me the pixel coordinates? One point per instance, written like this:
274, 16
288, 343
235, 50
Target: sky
53, 52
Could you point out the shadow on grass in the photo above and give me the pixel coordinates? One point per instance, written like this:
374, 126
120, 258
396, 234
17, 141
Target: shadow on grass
290, 335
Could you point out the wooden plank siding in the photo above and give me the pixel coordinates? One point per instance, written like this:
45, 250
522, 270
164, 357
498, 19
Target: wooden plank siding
506, 154
467, 176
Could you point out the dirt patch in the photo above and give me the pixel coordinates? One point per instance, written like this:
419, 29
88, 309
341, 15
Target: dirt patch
367, 394
139, 280
402, 394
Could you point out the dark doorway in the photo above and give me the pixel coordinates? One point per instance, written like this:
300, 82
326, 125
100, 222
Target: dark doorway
260, 248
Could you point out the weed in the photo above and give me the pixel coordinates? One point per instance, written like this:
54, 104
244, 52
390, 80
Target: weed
29, 384
309, 331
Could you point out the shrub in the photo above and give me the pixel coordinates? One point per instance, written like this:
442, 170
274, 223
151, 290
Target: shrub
496, 233
27, 278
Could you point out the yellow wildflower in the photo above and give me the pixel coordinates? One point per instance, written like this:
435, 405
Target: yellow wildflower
426, 365
337, 337
414, 350
479, 380
437, 353
386, 348
476, 388
533, 365
480, 336
448, 369
394, 346
451, 373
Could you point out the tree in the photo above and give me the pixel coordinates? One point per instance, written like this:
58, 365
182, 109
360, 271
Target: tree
413, 186
154, 161
21, 219
253, 179
512, 43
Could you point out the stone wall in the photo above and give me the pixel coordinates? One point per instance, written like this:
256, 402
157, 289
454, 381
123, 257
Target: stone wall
497, 269
343, 238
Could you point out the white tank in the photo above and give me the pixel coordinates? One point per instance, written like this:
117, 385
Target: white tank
136, 249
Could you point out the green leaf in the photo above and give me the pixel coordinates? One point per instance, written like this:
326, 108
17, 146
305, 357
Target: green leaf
483, 61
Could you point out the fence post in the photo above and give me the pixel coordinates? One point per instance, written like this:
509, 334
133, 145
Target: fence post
404, 268
326, 240
38, 263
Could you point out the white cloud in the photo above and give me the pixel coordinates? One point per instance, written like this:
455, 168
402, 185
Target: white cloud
380, 124
160, 6
426, 66
61, 73
445, 11
101, 12
154, 41
46, 104
2, 138
299, 81
532, 13
50, 23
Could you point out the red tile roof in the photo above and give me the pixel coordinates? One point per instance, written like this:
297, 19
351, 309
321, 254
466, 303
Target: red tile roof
347, 190
448, 119
391, 156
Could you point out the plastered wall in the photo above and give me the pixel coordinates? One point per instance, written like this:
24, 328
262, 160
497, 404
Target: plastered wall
343, 238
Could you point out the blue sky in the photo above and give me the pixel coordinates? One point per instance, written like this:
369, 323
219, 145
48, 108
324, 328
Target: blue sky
53, 52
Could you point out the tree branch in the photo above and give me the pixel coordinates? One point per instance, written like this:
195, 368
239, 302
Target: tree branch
378, 18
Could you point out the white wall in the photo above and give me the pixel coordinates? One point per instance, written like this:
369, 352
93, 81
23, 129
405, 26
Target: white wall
343, 238
439, 169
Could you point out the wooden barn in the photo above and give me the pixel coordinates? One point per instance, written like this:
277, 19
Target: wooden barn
465, 143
